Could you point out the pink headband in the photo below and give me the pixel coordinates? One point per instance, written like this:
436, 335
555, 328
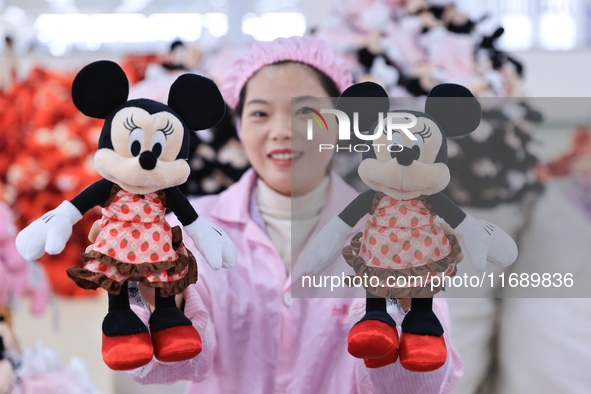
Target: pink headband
308, 50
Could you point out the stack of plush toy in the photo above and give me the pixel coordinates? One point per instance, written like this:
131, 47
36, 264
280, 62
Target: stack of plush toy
574, 168
18, 279
41, 370
410, 46
47, 149
46, 152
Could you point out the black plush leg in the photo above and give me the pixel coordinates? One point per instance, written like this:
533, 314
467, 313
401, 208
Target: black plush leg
421, 320
375, 309
166, 314
422, 346
126, 342
121, 320
173, 335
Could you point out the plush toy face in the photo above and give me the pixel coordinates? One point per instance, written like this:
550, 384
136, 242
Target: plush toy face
412, 171
144, 144
400, 167
144, 157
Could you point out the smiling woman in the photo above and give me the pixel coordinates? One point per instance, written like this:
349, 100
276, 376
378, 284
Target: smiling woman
256, 337
274, 128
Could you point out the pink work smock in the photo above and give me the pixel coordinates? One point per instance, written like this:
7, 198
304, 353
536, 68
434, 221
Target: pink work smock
257, 338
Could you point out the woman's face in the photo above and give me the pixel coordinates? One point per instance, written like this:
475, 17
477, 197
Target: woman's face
274, 127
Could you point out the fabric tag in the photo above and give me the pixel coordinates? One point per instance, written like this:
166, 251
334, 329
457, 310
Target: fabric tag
136, 298
393, 306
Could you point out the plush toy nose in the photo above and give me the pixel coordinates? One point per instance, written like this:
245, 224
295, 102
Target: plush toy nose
405, 157
148, 160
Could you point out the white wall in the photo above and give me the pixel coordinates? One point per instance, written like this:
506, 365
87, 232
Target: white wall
557, 74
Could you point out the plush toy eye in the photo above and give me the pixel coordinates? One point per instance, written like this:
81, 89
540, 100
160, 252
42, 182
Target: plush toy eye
417, 147
136, 141
395, 145
158, 143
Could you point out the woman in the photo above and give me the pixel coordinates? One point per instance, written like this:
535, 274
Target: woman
256, 337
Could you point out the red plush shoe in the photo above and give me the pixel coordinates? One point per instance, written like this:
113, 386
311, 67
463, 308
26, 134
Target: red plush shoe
381, 362
373, 339
125, 352
178, 343
422, 353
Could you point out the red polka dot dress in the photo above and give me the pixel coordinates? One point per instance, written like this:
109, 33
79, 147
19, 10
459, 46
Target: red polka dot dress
401, 238
136, 243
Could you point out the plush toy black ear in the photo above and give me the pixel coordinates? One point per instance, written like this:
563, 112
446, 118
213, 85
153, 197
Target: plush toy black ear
197, 100
489, 41
368, 99
99, 88
454, 108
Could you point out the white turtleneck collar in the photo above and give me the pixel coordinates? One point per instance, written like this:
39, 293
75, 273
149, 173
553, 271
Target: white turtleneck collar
289, 220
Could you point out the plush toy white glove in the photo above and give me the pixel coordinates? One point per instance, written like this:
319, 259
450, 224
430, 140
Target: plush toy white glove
327, 246
483, 240
49, 233
215, 246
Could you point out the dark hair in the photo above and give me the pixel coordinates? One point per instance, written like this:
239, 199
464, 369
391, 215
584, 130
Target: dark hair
329, 86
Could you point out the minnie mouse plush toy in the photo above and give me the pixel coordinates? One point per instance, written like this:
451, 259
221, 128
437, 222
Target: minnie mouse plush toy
142, 156
401, 238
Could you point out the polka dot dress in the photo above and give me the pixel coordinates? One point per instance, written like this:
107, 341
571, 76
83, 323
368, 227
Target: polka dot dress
401, 239
402, 234
136, 243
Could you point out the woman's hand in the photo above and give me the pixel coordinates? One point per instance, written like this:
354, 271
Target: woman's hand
92, 234
148, 294
94, 231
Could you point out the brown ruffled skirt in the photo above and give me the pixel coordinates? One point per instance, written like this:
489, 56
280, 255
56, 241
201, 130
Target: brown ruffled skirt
89, 280
351, 254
